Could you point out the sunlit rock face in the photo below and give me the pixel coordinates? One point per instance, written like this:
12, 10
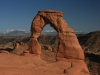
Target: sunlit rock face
69, 49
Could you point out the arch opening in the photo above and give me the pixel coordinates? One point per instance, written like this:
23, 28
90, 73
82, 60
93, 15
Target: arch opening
49, 43
68, 46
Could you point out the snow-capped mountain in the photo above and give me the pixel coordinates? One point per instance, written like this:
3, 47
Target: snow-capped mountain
13, 32
50, 31
21, 32
53, 32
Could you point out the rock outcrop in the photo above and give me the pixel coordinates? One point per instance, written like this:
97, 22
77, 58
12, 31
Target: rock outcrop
91, 42
4, 51
19, 48
69, 49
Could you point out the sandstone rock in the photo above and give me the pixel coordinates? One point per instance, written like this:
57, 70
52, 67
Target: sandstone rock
47, 47
34, 47
26, 51
68, 44
19, 48
69, 48
3, 51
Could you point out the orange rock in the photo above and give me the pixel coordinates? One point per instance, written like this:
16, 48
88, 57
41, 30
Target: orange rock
19, 48
68, 48
34, 46
4, 51
68, 44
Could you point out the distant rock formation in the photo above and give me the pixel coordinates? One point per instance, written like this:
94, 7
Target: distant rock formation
91, 42
19, 48
69, 49
15, 33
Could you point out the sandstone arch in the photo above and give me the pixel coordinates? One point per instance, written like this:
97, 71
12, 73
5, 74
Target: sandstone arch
69, 49
68, 44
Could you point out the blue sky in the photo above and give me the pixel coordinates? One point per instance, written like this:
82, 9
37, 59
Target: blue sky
81, 15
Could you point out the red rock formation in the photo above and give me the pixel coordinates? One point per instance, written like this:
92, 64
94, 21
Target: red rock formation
4, 51
19, 48
34, 46
68, 48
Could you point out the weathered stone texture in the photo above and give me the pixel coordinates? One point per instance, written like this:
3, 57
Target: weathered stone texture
69, 48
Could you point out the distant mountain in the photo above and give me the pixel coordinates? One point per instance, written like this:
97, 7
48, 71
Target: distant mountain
53, 32
13, 32
80, 32
49, 32
21, 32
91, 41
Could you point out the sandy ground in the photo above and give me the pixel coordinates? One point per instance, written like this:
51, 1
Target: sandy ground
11, 64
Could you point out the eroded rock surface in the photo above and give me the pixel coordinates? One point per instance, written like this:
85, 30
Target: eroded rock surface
69, 49
19, 48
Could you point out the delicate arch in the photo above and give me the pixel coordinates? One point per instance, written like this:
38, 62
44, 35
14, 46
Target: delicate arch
68, 47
